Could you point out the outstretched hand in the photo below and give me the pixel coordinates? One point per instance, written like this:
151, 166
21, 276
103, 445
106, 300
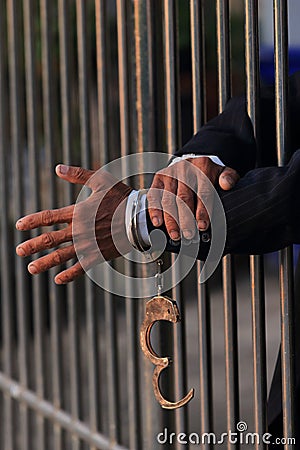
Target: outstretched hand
107, 197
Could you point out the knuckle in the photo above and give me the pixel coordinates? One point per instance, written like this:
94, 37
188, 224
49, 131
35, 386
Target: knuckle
56, 258
47, 217
152, 196
205, 160
154, 211
204, 195
170, 220
172, 184
162, 173
48, 240
167, 202
202, 162
79, 173
171, 225
185, 196
157, 181
201, 214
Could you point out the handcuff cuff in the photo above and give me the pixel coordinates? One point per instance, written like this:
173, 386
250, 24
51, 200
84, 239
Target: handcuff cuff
158, 308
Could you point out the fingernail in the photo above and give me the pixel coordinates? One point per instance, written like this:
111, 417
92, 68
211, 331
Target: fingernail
229, 181
174, 235
63, 169
188, 234
20, 251
32, 269
156, 221
202, 224
19, 225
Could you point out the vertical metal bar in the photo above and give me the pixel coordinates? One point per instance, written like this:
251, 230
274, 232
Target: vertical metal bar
28, 12
6, 285
173, 138
110, 319
223, 49
230, 330
92, 349
131, 305
55, 344
48, 119
17, 148
198, 63
230, 313
170, 68
65, 79
144, 82
73, 342
101, 76
286, 260
256, 262
143, 129
83, 82
112, 363
199, 116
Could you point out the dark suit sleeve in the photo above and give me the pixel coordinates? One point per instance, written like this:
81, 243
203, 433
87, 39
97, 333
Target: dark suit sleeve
230, 134
262, 212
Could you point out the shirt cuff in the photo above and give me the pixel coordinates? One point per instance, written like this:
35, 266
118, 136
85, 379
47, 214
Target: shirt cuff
213, 158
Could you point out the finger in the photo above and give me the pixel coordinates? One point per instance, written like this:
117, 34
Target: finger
46, 218
205, 197
78, 269
228, 178
185, 196
68, 275
76, 175
154, 197
202, 216
44, 241
55, 258
170, 208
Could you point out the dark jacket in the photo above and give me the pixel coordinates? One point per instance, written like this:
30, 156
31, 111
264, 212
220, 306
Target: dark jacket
263, 210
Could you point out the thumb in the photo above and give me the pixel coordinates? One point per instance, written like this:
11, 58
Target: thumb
228, 178
76, 175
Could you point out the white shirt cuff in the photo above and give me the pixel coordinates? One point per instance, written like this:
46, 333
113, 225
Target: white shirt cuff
213, 158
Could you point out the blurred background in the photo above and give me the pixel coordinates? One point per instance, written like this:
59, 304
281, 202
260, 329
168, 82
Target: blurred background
84, 82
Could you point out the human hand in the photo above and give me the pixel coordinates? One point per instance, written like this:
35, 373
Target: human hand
183, 179
108, 195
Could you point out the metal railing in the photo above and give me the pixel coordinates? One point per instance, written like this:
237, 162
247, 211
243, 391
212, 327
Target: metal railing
84, 82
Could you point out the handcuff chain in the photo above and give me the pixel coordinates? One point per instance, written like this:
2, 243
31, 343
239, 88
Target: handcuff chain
159, 277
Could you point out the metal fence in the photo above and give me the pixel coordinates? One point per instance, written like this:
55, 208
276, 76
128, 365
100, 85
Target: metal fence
83, 82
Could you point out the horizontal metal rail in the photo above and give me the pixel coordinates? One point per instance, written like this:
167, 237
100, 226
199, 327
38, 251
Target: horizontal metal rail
48, 411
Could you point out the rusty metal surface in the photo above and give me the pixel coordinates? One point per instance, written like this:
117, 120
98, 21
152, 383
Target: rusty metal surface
160, 308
